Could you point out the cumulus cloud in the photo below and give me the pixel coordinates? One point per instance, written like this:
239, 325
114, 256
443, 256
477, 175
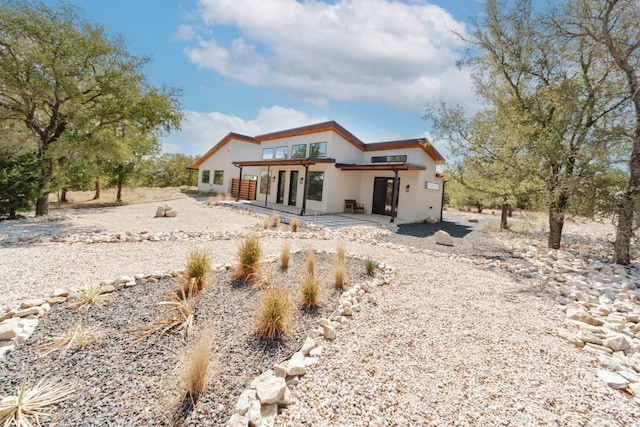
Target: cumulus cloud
201, 131
399, 54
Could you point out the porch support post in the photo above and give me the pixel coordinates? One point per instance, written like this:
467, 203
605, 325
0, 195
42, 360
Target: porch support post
442, 199
239, 183
394, 195
266, 196
304, 188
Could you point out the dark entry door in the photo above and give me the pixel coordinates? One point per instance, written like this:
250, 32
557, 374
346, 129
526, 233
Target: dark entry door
281, 178
382, 194
293, 188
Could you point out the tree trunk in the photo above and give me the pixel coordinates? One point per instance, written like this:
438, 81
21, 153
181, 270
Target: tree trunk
63, 196
97, 195
12, 213
624, 230
556, 222
119, 192
503, 217
42, 202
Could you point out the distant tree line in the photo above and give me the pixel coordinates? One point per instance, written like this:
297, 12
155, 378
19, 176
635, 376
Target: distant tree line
75, 109
560, 127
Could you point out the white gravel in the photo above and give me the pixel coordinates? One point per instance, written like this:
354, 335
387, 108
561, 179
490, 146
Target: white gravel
448, 343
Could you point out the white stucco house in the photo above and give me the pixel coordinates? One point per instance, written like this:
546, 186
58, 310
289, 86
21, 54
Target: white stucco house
319, 167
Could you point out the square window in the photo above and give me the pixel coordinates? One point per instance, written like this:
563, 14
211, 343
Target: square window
299, 151
206, 176
281, 152
218, 177
267, 153
318, 149
431, 185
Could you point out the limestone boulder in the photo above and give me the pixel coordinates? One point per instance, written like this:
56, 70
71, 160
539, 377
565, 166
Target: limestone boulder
443, 238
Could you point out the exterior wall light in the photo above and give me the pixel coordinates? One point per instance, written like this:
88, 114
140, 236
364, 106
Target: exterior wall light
407, 188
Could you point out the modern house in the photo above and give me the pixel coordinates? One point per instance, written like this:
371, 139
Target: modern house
322, 166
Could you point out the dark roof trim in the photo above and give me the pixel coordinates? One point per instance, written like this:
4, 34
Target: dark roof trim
311, 129
399, 166
407, 143
285, 162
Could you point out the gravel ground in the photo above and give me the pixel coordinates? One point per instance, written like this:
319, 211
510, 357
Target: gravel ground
449, 343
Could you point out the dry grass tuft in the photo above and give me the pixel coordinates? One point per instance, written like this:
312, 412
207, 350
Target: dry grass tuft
196, 365
311, 292
183, 309
77, 337
274, 315
285, 255
197, 270
89, 295
265, 222
26, 408
249, 254
341, 251
339, 272
294, 225
275, 220
311, 262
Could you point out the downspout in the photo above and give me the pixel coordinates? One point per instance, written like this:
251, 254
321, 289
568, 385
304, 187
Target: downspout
239, 182
394, 194
304, 188
442, 199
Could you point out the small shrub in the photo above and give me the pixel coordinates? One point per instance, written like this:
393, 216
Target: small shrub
26, 407
197, 270
341, 253
294, 225
90, 295
311, 262
310, 292
265, 222
285, 254
249, 253
196, 365
77, 337
339, 271
369, 266
181, 318
274, 315
275, 220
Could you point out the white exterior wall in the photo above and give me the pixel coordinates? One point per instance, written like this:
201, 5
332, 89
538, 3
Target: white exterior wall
234, 150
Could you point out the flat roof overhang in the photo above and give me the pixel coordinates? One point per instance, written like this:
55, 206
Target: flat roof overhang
391, 166
285, 162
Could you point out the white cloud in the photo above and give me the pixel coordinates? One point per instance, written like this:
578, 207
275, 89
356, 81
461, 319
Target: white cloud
201, 131
353, 50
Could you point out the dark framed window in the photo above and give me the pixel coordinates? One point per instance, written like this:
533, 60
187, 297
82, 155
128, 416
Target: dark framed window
316, 183
206, 176
299, 151
218, 177
265, 182
431, 185
318, 149
281, 152
267, 153
387, 159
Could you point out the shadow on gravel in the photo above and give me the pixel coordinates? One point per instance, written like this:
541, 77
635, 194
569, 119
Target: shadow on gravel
187, 404
424, 229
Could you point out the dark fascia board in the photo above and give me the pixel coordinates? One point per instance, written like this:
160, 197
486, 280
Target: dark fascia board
315, 128
400, 166
284, 162
408, 143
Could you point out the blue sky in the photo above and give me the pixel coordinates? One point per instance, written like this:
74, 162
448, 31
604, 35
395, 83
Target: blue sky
257, 66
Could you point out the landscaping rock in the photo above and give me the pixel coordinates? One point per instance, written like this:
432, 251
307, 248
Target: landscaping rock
613, 380
443, 238
271, 390
237, 420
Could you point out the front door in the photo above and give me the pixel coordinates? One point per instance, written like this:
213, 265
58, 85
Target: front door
293, 188
281, 179
382, 194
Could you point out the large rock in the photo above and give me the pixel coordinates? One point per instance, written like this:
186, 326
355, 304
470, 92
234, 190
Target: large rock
578, 314
7, 331
237, 420
159, 211
617, 343
244, 402
443, 238
613, 380
271, 390
297, 365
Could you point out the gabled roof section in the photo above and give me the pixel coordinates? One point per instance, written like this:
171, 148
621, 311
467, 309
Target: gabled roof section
407, 143
230, 136
311, 129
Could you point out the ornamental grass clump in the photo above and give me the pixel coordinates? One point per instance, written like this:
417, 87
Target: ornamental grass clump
196, 365
285, 255
369, 266
88, 296
265, 222
197, 270
77, 337
310, 292
181, 317
275, 220
340, 266
294, 225
25, 409
249, 254
311, 262
274, 315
